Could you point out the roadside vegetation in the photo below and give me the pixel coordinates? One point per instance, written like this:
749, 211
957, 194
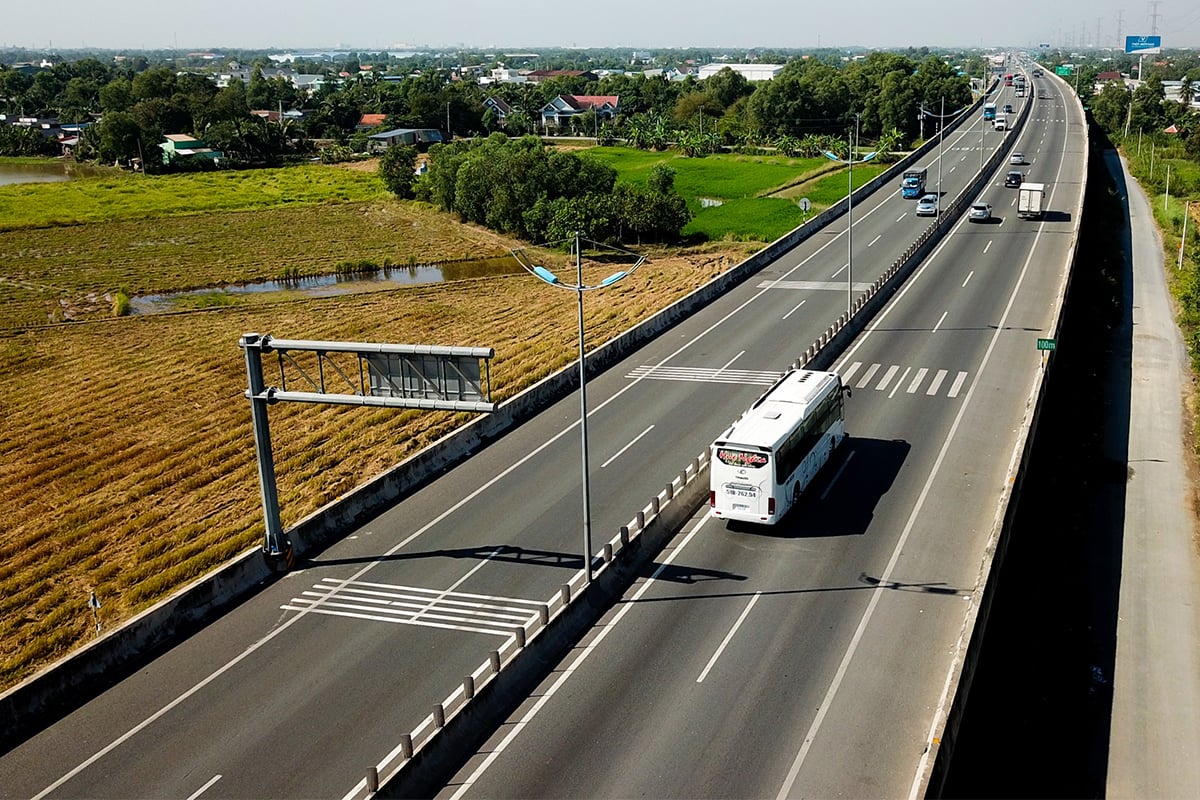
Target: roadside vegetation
1160, 139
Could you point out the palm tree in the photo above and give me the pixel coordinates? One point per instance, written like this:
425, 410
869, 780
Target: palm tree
1187, 92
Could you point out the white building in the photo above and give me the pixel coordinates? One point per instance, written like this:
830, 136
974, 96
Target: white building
751, 72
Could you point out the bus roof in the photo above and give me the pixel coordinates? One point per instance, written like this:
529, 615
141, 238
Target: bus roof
775, 415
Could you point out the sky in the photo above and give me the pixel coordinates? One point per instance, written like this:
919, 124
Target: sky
495, 25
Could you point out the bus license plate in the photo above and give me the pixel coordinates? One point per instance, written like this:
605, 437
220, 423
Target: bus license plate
740, 492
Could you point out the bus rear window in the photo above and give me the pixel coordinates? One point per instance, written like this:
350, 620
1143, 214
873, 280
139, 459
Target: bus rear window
741, 458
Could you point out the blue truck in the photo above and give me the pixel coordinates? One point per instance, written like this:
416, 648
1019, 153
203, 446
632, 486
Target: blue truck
989, 111
912, 185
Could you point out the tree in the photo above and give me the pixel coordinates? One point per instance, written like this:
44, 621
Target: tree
397, 170
120, 138
1111, 107
116, 95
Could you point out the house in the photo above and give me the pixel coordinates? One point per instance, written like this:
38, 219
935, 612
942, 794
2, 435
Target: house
560, 110
419, 138
501, 108
751, 72
539, 75
182, 146
368, 121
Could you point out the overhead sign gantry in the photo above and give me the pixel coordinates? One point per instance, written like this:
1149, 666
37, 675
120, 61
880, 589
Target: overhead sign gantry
354, 373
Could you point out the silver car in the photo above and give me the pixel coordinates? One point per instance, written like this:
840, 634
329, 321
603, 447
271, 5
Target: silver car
927, 206
979, 212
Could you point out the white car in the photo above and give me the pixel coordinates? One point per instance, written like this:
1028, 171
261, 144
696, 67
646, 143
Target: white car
1017, 158
979, 212
927, 206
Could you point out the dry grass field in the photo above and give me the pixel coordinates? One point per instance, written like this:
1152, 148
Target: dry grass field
127, 458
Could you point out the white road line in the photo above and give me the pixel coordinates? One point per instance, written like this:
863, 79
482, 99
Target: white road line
728, 637
429, 621
887, 378
937, 382
958, 382
626, 447
968, 280
795, 309
940, 321
987, 247
204, 788
896, 388
902, 216
465, 577
850, 372
876, 239
866, 378
466, 785
916, 381
725, 366
841, 269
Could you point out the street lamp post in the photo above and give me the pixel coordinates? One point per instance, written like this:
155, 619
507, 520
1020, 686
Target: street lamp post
850, 162
579, 287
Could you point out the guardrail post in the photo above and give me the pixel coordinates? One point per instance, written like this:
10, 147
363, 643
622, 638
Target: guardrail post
519, 635
372, 779
469, 687
406, 745
564, 592
494, 657
654, 504
624, 534
544, 614
439, 715
670, 491
608, 552
641, 520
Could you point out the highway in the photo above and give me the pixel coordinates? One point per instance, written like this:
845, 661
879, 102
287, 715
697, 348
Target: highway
815, 660
301, 688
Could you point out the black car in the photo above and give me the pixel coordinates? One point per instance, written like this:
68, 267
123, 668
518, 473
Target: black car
1013, 178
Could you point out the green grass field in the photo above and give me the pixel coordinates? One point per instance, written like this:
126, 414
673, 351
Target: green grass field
756, 193
128, 197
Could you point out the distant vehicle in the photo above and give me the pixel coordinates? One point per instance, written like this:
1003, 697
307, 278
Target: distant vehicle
763, 462
1031, 201
1008, 79
979, 212
1014, 178
1017, 158
927, 206
1008, 108
989, 111
912, 184
1001, 123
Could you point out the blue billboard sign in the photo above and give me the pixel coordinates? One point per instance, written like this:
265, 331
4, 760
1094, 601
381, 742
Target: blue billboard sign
1143, 44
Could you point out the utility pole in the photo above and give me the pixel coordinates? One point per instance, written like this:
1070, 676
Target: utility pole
1120, 27
1154, 15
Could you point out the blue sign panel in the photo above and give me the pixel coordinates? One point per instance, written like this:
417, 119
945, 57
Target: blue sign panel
1143, 44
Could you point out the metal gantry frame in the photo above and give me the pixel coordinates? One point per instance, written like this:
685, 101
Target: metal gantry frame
382, 375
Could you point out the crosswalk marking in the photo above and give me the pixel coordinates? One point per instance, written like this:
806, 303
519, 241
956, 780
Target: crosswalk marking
890, 379
893, 375
705, 374
411, 605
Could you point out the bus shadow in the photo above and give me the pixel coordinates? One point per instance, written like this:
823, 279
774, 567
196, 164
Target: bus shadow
842, 499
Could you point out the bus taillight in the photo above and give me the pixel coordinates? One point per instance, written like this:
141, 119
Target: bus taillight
770, 506
712, 498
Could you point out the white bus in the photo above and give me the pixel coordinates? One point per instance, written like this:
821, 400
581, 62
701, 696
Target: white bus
763, 462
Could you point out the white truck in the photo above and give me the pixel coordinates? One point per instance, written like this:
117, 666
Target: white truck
1031, 201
